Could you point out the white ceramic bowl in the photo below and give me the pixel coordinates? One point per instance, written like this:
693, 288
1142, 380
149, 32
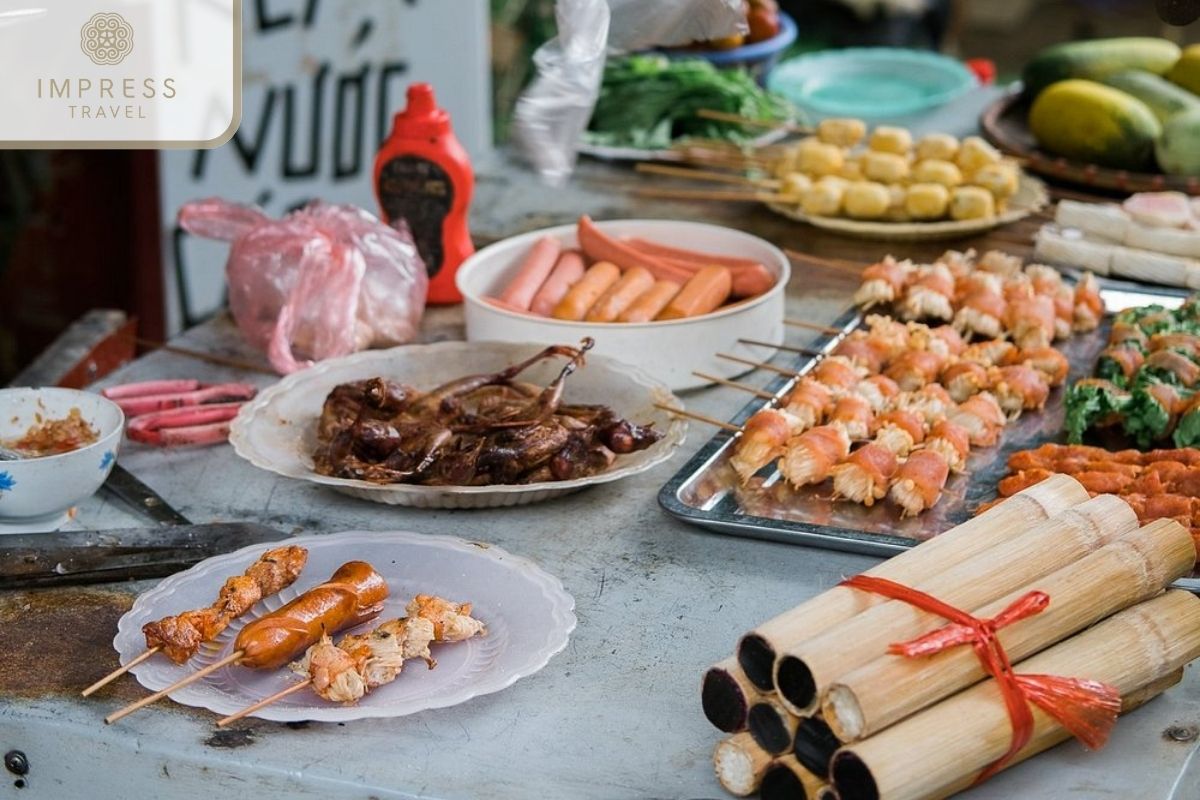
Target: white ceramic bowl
35, 492
669, 351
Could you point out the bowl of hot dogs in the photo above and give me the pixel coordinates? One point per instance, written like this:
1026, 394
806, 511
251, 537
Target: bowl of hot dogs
663, 295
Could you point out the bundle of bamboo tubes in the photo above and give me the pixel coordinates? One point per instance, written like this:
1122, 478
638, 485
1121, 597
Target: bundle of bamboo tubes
823, 701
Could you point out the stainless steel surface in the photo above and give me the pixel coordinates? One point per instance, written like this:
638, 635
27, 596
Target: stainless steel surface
76, 557
706, 491
123, 484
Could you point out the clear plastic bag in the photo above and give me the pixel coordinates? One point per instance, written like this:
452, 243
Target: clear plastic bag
323, 281
553, 112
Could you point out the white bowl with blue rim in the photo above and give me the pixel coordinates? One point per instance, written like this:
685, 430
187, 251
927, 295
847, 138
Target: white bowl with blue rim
871, 83
39, 494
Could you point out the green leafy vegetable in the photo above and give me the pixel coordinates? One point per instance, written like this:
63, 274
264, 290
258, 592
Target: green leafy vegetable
1092, 403
649, 101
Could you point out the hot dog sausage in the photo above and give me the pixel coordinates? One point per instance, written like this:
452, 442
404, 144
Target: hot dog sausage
601, 247
587, 291
353, 595
652, 301
705, 292
534, 270
750, 278
620, 295
566, 273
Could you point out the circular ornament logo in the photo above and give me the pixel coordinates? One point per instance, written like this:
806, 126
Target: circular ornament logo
106, 38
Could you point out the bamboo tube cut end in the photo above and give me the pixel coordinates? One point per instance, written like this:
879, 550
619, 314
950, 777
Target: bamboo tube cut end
815, 745
772, 726
739, 765
756, 657
796, 685
724, 701
787, 779
843, 713
852, 777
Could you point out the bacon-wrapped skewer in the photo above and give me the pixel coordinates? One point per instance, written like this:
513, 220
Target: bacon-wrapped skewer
179, 637
932, 402
1000, 263
1185, 343
888, 334
1126, 332
883, 282
963, 379
763, 438
808, 402
1030, 321
930, 296
1089, 306
973, 282
1172, 367
959, 262
919, 482
865, 475
838, 373
1018, 388
812, 455
1064, 311
853, 413
952, 441
1049, 361
915, 368
1119, 363
878, 390
982, 313
865, 352
900, 430
943, 340
1046, 280
990, 353
982, 418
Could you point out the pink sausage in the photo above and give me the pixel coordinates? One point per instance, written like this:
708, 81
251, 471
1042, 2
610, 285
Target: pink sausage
567, 271
534, 270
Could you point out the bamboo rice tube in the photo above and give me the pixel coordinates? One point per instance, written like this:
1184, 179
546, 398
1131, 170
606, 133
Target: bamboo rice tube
726, 695
1132, 569
931, 753
1052, 736
740, 764
815, 744
772, 726
757, 650
828, 793
805, 671
787, 779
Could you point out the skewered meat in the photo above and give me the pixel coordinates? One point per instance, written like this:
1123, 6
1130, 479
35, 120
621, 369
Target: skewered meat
180, 636
919, 482
811, 456
762, 440
963, 379
473, 431
808, 403
899, 431
865, 475
952, 441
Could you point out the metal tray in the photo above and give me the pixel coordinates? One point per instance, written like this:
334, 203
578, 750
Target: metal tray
706, 492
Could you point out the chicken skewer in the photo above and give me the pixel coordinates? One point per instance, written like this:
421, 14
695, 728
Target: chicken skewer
179, 637
359, 663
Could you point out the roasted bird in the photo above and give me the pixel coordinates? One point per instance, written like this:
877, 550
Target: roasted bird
474, 431
180, 636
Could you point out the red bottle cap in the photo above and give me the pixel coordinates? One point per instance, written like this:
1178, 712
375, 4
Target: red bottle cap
421, 118
984, 69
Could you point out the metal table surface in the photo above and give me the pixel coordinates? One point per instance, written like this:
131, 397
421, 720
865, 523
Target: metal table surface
616, 715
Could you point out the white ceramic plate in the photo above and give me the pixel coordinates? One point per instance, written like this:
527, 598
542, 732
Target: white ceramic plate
277, 431
672, 351
1030, 197
528, 613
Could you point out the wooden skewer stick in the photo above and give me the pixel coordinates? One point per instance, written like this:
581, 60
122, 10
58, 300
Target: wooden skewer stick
799, 323
706, 175
833, 263
266, 701
679, 412
804, 351
232, 658
725, 116
726, 195
223, 361
118, 672
758, 364
734, 385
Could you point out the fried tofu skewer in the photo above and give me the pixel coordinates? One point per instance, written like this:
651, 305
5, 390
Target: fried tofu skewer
347, 671
180, 636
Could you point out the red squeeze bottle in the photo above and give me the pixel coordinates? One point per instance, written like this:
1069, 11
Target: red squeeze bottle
424, 176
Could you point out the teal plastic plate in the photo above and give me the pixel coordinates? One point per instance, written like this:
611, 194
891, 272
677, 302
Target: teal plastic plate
870, 82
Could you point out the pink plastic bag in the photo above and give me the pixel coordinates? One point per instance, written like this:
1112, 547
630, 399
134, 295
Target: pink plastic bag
323, 281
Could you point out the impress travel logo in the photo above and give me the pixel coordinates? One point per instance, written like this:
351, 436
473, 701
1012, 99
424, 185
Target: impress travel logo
145, 74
